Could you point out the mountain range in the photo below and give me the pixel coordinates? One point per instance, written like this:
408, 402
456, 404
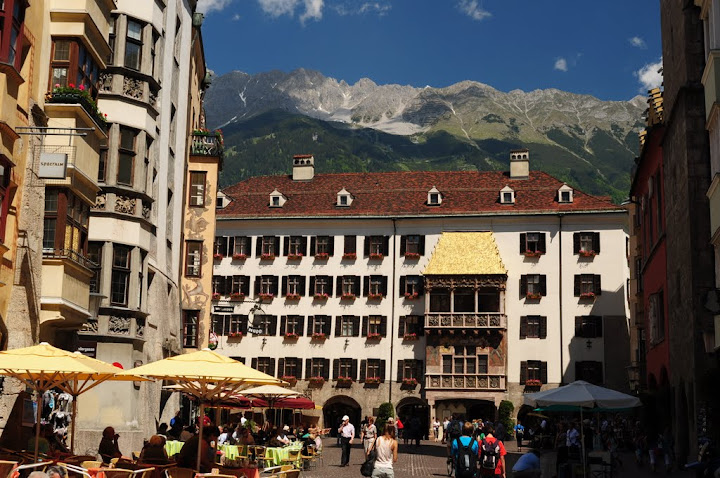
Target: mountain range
268, 117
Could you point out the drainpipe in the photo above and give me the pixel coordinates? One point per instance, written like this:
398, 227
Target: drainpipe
392, 310
560, 298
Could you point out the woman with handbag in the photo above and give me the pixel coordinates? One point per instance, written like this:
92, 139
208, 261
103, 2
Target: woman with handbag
386, 448
368, 435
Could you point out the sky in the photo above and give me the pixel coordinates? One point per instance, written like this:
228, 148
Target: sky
609, 49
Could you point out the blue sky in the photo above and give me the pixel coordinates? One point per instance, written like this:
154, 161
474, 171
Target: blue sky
608, 49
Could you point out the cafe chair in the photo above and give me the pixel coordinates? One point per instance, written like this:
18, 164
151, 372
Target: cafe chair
292, 457
117, 473
75, 470
40, 466
308, 461
178, 472
143, 473
260, 455
91, 464
7, 466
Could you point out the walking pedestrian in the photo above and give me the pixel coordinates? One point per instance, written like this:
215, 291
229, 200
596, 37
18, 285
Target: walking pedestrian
386, 448
492, 455
400, 428
436, 429
346, 433
519, 432
368, 435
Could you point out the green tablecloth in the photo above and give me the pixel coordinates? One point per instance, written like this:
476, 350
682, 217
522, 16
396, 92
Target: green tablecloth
233, 451
275, 456
173, 447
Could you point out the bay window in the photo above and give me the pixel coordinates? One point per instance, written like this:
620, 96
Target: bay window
120, 275
72, 65
126, 156
133, 45
65, 225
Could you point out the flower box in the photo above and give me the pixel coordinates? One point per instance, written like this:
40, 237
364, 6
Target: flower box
316, 381
292, 296
322, 256
237, 296
412, 255
218, 257
239, 257
412, 336
372, 380
348, 297
374, 296
376, 255
322, 296
587, 295
344, 381
318, 336
533, 253
533, 382
533, 295
267, 257
266, 296
411, 296
292, 380
235, 335
349, 256
587, 253
72, 95
410, 382
291, 335
216, 296
374, 336
295, 257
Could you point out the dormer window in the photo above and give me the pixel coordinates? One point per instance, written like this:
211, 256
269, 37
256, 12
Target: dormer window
507, 195
434, 197
277, 199
344, 198
565, 194
222, 200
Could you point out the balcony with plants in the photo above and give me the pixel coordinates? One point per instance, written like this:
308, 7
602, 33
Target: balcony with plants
72, 95
207, 143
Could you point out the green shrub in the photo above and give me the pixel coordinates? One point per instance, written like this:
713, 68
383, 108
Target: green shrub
505, 412
386, 410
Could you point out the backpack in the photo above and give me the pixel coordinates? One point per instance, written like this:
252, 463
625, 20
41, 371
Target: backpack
455, 429
466, 464
490, 454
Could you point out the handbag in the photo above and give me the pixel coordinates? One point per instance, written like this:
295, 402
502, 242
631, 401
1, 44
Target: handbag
366, 469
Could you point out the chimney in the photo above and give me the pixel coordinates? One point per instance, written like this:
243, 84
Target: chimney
303, 167
519, 163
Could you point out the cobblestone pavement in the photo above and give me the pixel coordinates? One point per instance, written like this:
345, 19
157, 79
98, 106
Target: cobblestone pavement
429, 460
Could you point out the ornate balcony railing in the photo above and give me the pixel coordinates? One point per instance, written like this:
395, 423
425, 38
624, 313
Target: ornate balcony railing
207, 143
455, 381
69, 255
493, 320
128, 327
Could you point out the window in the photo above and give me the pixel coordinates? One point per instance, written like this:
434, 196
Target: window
72, 64
488, 300
120, 275
52, 197
375, 245
589, 371
588, 326
656, 316
532, 242
586, 243
533, 370
434, 197
65, 225
102, 165
220, 326
533, 285
12, 13
373, 369
241, 246
290, 367
197, 188
464, 300
343, 200
319, 324
126, 156
348, 286
220, 246
193, 258
318, 367
375, 324
266, 285
412, 245
190, 328
321, 285
111, 39
229, 324
507, 195
411, 286
564, 196
345, 367
440, 300
292, 324
265, 324
240, 285
275, 201
293, 285
350, 245
533, 327
322, 246
221, 284
267, 246
375, 286
409, 369
347, 326
264, 365
465, 360
411, 324
5, 172
587, 285
95, 256
295, 246
133, 45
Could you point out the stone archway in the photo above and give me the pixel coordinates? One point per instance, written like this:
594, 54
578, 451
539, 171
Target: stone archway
415, 414
337, 406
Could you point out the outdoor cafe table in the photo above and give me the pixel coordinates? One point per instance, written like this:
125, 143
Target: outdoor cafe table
233, 451
275, 456
173, 447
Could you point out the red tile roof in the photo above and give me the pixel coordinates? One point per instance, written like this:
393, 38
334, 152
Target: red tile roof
405, 194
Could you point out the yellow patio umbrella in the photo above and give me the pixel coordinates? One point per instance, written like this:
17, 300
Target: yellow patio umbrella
206, 375
43, 367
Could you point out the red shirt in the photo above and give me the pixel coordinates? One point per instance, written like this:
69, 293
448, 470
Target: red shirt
399, 424
503, 452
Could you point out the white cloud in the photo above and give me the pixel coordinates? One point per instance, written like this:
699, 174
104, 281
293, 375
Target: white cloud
313, 10
472, 9
207, 6
236, 17
344, 9
650, 76
278, 8
638, 42
561, 64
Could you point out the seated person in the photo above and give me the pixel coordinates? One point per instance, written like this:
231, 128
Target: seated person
246, 437
109, 448
283, 435
528, 465
187, 433
154, 451
318, 442
275, 441
187, 457
57, 442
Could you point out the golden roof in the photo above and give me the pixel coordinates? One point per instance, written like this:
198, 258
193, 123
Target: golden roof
465, 253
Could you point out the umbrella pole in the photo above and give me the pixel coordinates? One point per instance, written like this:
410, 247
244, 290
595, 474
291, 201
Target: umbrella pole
582, 442
74, 424
200, 436
38, 416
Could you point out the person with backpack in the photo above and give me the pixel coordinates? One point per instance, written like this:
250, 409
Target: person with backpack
519, 432
454, 430
465, 452
492, 455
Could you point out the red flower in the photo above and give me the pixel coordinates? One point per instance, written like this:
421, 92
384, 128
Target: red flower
71, 85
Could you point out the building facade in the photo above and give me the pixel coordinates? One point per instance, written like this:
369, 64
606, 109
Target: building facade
439, 292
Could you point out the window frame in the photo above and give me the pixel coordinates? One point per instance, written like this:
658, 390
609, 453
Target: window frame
193, 264
376, 245
71, 215
190, 328
5, 194
135, 42
129, 154
242, 245
347, 326
77, 72
119, 271
197, 189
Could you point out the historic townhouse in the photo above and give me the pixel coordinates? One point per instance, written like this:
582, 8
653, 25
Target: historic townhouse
438, 291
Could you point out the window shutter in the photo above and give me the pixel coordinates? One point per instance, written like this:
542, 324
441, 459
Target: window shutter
299, 363
311, 320
363, 371
543, 372
231, 246
356, 286
384, 285
576, 243
336, 369
286, 245
257, 285
596, 284
253, 363
543, 327
577, 285
284, 285
276, 244
578, 326
541, 243
303, 290
350, 244
421, 325
401, 326
330, 285
258, 246
599, 325
331, 246
308, 368
543, 284
596, 242
274, 285
383, 326
402, 287
403, 245
421, 247
523, 327
303, 246
312, 245
523, 372
400, 371
326, 369
356, 326
283, 324
326, 326
418, 370
523, 241
386, 245
354, 369
338, 289
366, 246
366, 285
273, 325
312, 285
281, 367
523, 285
338, 323
382, 371
245, 287
301, 325
365, 326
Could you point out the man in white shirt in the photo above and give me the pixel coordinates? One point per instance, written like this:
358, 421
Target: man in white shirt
347, 433
573, 437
